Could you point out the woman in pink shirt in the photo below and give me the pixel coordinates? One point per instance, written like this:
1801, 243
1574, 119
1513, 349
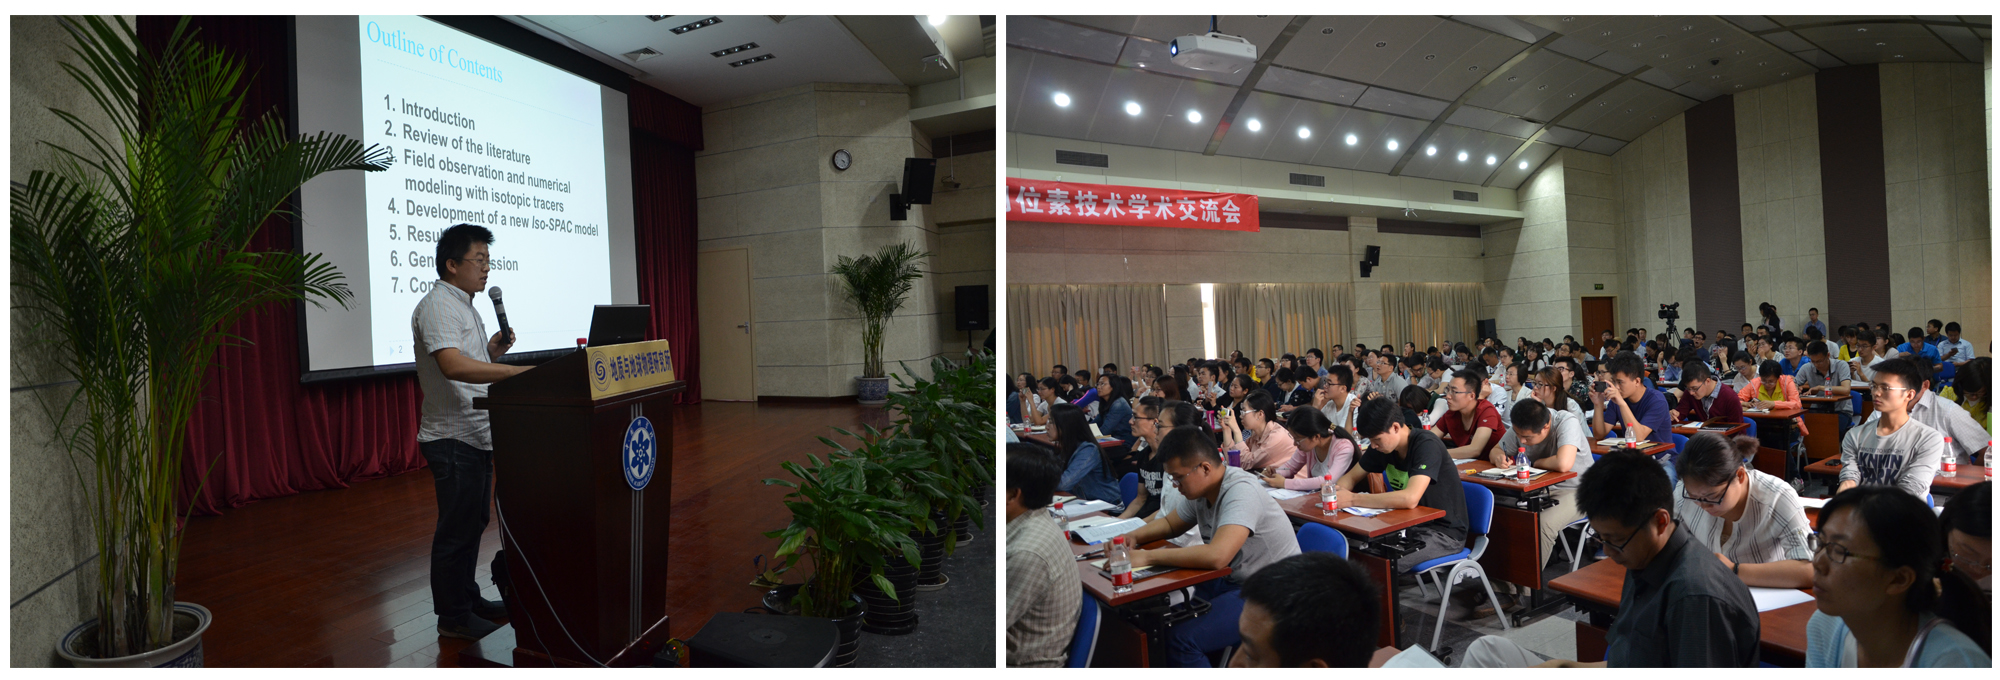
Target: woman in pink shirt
1771, 389
1260, 436
1324, 449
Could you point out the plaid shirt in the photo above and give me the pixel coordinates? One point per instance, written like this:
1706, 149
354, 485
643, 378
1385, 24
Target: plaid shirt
1043, 592
1773, 527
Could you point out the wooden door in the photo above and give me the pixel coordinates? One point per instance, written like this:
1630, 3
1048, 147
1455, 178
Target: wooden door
1597, 318
728, 360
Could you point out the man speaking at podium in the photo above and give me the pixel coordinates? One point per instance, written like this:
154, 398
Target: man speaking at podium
454, 366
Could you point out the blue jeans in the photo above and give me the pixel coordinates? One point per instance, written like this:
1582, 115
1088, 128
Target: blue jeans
464, 478
1188, 644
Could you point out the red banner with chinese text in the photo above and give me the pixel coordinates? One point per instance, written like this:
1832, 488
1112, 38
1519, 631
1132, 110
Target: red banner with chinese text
1036, 201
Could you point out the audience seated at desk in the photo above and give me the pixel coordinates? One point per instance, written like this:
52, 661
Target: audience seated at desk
1306, 381
1883, 600
1553, 439
1047, 393
1043, 588
1820, 372
1336, 398
1968, 437
1254, 429
1086, 474
1970, 392
1680, 608
1772, 389
1421, 408
1705, 399
1311, 610
1322, 449
1752, 521
1154, 419
1893, 448
1241, 527
1418, 472
1626, 401
1117, 419
1472, 425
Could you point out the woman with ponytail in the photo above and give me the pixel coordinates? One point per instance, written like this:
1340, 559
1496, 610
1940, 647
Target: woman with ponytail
1323, 449
1885, 598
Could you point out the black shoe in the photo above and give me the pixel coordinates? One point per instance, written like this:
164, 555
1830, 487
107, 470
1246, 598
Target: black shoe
467, 627
1488, 609
488, 609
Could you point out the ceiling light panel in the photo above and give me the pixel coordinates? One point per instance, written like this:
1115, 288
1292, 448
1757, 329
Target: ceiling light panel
695, 25
1178, 133
1114, 122
1041, 34
1031, 108
1272, 111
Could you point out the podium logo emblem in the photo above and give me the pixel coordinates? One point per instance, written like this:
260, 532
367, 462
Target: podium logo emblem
600, 371
640, 453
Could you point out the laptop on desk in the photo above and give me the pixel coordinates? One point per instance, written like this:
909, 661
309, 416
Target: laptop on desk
618, 324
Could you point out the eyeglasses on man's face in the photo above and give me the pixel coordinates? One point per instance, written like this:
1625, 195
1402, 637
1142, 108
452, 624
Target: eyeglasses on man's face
482, 263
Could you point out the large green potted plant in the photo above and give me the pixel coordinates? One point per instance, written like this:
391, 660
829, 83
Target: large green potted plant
877, 285
954, 432
845, 533
130, 260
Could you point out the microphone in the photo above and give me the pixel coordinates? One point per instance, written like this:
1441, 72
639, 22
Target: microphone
500, 310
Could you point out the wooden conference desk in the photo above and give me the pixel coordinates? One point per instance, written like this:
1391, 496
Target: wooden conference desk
1360, 531
1967, 475
1513, 543
1595, 590
1691, 429
1119, 643
1774, 429
1650, 448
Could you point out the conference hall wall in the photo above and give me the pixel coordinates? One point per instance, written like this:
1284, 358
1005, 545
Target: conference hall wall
1862, 191
1289, 248
762, 182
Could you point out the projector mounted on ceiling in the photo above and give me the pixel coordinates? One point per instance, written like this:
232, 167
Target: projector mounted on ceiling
1213, 52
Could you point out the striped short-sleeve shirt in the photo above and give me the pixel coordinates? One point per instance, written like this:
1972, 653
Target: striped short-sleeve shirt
1773, 528
446, 318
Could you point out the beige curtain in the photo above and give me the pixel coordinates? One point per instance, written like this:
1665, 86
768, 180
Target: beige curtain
1085, 326
1429, 314
1269, 319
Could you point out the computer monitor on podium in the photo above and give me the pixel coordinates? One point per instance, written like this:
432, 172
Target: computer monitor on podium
618, 324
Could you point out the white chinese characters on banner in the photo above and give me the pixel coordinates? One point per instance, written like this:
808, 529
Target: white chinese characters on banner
1034, 200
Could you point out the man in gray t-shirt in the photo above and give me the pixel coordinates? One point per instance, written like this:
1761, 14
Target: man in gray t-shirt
1241, 526
1906, 457
1547, 434
1822, 371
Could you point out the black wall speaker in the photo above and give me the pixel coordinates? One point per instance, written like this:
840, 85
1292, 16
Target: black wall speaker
1374, 255
973, 314
1488, 328
918, 173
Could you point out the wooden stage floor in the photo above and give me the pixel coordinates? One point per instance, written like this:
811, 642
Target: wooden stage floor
342, 578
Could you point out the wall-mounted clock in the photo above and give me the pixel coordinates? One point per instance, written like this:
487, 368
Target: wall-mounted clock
842, 160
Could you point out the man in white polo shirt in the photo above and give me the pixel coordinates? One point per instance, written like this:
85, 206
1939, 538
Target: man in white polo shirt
454, 365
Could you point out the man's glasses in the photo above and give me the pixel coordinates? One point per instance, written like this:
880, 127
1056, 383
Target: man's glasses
482, 262
1619, 545
1879, 387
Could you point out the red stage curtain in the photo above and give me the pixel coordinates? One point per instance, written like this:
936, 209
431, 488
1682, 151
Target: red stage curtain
665, 134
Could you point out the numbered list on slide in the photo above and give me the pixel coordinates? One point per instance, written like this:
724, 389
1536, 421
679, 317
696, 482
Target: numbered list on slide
484, 136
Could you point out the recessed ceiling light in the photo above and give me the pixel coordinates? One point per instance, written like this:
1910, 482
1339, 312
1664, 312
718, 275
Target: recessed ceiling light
1430, 151
1544, 87
1568, 18
1062, 99
1637, 44
1326, 31
1254, 125
1194, 116
1472, 68
1462, 156
1882, 44
1663, 55
1381, 44
1513, 78
752, 60
1715, 77
1688, 27
1602, 103
1899, 56
1739, 51
1761, 63
1690, 67
1491, 160
1307, 133
1861, 30
1739, 87
1605, 33
1429, 57
1393, 145
937, 19
704, 23
1351, 139
1628, 110
1787, 73
1524, 165
1132, 108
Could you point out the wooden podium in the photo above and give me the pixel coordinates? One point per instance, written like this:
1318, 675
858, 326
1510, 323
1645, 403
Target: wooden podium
579, 538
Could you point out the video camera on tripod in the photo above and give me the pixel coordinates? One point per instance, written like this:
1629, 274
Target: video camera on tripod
1671, 313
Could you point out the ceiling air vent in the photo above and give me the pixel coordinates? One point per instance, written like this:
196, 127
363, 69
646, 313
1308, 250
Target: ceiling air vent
641, 54
1464, 196
1093, 160
1309, 180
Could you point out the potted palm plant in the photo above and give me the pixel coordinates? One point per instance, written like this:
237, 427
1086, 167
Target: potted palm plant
939, 416
130, 261
846, 533
877, 285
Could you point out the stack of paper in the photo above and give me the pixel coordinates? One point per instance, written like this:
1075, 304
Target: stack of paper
1363, 512
1768, 599
1414, 657
1613, 442
1094, 535
1509, 472
1812, 502
1287, 494
1075, 508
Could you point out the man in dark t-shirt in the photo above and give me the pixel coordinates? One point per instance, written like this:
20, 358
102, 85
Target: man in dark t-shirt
1418, 471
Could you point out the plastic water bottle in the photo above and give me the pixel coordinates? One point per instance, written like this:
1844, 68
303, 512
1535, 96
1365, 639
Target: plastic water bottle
1950, 458
1329, 497
1118, 563
1989, 460
1062, 519
1521, 464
